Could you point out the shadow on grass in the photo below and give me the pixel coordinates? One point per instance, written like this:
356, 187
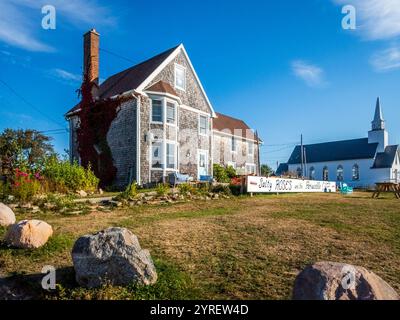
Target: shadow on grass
172, 284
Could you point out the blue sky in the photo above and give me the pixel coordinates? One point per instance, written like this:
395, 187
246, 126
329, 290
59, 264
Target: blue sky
285, 67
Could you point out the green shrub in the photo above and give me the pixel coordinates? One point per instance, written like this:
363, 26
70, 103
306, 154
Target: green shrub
62, 176
25, 186
221, 189
220, 174
162, 189
130, 192
186, 188
4, 190
231, 172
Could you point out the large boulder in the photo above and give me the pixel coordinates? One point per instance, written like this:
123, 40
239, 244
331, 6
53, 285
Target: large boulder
28, 234
112, 256
7, 216
338, 281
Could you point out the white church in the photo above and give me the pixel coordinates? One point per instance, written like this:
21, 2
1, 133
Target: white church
359, 163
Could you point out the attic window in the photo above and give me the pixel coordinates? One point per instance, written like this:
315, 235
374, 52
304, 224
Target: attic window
180, 77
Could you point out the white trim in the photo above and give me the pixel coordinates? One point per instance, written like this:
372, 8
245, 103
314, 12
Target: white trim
207, 134
230, 135
162, 94
183, 68
234, 143
138, 142
162, 110
183, 106
175, 124
248, 149
170, 58
207, 154
247, 164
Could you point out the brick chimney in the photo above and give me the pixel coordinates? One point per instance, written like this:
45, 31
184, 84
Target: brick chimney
91, 56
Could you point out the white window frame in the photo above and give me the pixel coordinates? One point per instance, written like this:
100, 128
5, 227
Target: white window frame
207, 161
162, 100
207, 125
231, 164
234, 143
160, 143
167, 101
181, 68
253, 165
175, 149
248, 148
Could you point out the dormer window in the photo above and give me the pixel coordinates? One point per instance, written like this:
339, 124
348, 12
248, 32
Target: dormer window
180, 77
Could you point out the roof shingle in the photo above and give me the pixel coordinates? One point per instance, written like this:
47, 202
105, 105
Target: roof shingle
234, 126
335, 151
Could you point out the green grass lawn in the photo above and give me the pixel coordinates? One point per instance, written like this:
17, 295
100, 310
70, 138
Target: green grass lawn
241, 248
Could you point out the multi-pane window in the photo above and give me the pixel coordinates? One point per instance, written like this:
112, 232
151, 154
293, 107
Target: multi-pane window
171, 113
250, 146
180, 77
356, 172
156, 115
325, 174
339, 173
156, 153
171, 156
203, 125
250, 169
233, 144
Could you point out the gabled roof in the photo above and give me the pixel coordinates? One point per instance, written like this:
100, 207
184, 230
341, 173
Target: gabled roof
386, 159
139, 76
133, 77
162, 87
227, 124
335, 151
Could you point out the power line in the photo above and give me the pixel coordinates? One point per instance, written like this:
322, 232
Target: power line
30, 104
116, 55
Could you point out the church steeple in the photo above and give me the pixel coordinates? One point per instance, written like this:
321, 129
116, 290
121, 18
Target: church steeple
378, 123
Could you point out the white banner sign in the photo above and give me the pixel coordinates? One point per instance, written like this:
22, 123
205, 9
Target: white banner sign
278, 185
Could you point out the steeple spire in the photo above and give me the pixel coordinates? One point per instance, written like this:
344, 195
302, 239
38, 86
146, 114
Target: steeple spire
378, 123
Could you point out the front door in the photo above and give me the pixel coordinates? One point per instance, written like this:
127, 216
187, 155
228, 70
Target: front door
202, 166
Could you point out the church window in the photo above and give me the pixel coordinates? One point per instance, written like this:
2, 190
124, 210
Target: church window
312, 173
356, 172
339, 173
325, 174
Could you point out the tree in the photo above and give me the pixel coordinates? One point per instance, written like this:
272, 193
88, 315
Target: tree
23, 149
266, 170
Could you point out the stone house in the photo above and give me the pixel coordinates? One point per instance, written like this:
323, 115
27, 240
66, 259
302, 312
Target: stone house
164, 121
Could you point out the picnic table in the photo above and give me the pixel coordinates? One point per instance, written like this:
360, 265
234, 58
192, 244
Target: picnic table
387, 187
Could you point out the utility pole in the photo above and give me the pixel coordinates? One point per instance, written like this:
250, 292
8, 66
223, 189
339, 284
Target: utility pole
302, 156
305, 163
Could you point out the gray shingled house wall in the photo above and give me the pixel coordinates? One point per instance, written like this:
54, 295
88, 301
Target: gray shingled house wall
121, 139
222, 153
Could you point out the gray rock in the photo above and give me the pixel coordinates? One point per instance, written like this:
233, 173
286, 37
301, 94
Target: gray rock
7, 216
339, 281
112, 256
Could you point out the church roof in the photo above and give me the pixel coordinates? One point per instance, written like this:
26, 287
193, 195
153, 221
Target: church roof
386, 159
335, 151
283, 168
